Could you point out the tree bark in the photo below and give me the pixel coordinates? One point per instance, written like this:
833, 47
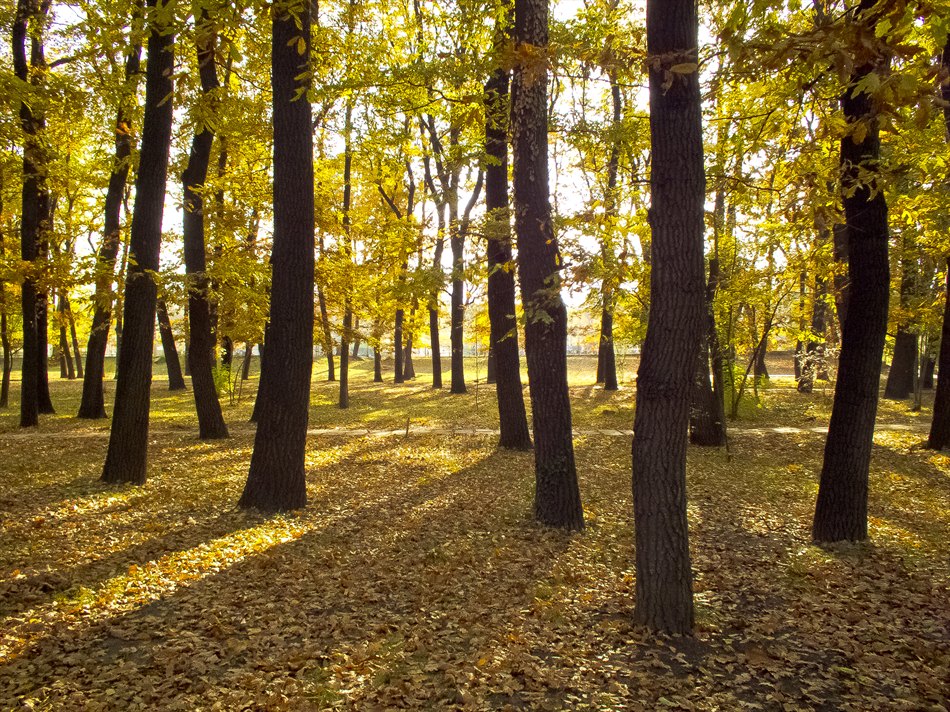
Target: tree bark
664, 597
276, 480
4, 326
504, 366
377, 366
92, 405
841, 508
347, 330
176, 379
398, 376
128, 440
200, 354
940, 425
73, 338
557, 500
34, 214
900, 377
66, 357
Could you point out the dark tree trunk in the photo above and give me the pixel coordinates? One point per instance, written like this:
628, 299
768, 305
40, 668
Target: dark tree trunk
248, 360
92, 405
34, 213
74, 340
277, 475
900, 378
42, 334
128, 441
4, 326
503, 335
176, 379
200, 358
66, 357
408, 369
377, 366
457, 310
707, 417
435, 347
940, 425
7, 356
355, 355
841, 281
759, 369
259, 397
607, 361
327, 335
398, 376
227, 352
557, 500
841, 508
813, 364
344, 401
664, 596
347, 332
928, 377
491, 367
606, 357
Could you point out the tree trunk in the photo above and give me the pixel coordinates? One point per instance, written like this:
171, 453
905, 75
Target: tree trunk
841, 508
491, 367
435, 347
73, 338
408, 369
927, 381
176, 380
356, 340
276, 480
347, 331
707, 418
398, 376
327, 335
4, 327
377, 366
664, 597
557, 500
211, 423
66, 357
900, 377
248, 360
940, 425
841, 280
34, 213
457, 310
128, 440
813, 364
504, 365
92, 405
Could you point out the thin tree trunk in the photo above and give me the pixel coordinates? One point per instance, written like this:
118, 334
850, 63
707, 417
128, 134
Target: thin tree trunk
66, 357
664, 596
841, 507
347, 331
503, 335
398, 376
128, 440
74, 340
940, 425
900, 377
34, 213
4, 327
557, 500
92, 405
276, 480
377, 366
248, 359
211, 423
176, 380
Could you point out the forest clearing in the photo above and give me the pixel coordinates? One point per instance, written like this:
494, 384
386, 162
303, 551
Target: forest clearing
416, 578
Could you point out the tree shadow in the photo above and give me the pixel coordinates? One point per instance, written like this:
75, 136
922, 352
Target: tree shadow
357, 606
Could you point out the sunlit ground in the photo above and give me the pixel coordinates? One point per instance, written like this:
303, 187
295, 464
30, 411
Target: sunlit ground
416, 578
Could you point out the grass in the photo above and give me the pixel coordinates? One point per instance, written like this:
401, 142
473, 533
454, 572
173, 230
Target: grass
416, 578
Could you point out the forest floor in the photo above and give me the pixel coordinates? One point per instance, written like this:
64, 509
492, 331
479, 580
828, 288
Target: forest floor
416, 578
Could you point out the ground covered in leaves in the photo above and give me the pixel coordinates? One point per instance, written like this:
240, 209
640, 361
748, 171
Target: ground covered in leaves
416, 578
